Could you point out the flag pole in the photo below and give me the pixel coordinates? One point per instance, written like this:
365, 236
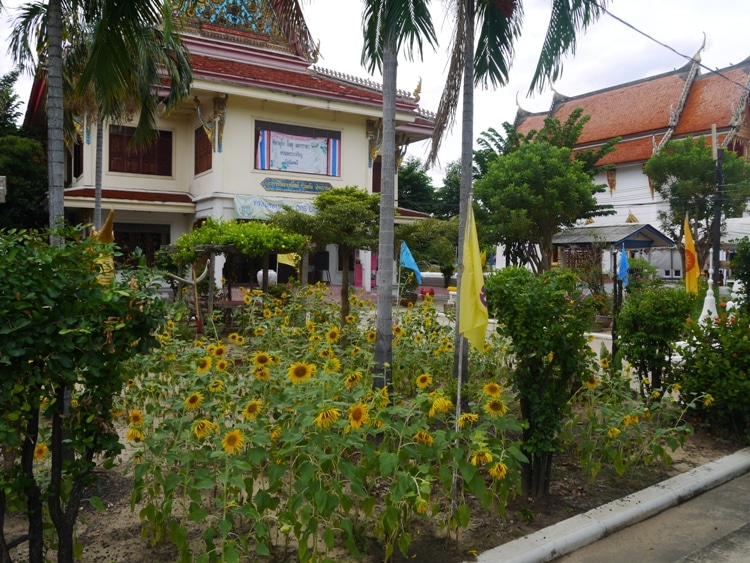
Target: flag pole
454, 482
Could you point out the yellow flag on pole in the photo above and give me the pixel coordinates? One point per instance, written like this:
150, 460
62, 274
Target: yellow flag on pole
691, 260
473, 296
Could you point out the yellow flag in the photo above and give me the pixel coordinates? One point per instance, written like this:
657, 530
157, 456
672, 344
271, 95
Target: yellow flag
473, 296
691, 260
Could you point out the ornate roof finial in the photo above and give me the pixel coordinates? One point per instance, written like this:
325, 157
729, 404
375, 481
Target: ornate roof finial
417, 90
697, 56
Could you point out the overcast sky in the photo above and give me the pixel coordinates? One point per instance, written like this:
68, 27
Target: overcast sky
609, 53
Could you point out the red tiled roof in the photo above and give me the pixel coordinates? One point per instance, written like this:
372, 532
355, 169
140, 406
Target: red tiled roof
134, 195
712, 100
286, 80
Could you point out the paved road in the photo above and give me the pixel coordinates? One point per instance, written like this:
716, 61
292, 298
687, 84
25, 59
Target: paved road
710, 528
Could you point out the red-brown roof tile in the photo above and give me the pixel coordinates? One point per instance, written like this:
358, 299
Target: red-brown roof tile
133, 195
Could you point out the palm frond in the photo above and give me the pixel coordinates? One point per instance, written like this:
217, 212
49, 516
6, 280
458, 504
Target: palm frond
568, 18
499, 28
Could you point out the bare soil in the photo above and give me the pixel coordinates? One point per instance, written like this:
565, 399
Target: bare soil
115, 535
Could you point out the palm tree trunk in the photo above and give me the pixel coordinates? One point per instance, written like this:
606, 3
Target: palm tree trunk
98, 179
384, 341
467, 154
55, 144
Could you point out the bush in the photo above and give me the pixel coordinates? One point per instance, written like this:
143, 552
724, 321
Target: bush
650, 322
716, 371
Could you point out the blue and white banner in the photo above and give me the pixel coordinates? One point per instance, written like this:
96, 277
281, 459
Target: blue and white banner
295, 153
261, 207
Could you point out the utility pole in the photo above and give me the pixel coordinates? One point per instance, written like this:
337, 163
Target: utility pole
717, 220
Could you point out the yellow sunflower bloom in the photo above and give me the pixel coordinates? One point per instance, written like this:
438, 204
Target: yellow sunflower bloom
310, 326
613, 432
240, 340
233, 336
134, 435
629, 420
204, 428
135, 417
424, 437
499, 471
398, 331
233, 441
220, 350
194, 401
204, 364
252, 409
708, 401
424, 381
326, 353
358, 415
222, 365
211, 348
492, 389
482, 457
332, 365
262, 373
352, 379
246, 299
266, 313
299, 372
327, 418
467, 418
495, 407
356, 351
262, 359
591, 382
333, 335
350, 319
383, 399
41, 451
275, 433
260, 331
371, 336
130, 383
216, 386
440, 405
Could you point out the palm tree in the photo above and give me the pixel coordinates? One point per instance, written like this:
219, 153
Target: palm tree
500, 25
387, 25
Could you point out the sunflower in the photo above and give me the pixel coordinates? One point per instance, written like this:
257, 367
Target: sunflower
41, 451
604, 363
275, 433
482, 457
204, 427
310, 325
130, 383
261, 358
247, 300
315, 338
440, 405
204, 364
170, 324
352, 379
198, 344
220, 350
233, 441
266, 313
333, 335
383, 398
262, 373
591, 382
240, 340
136, 417
421, 506
495, 407
398, 331
358, 415
327, 417
326, 353
467, 418
332, 365
350, 319
216, 385
356, 351
299, 372
613, 432
629, 419
233, 336
194, 401
252, 409
222, 365
492, 389
424, 381
260, 331
210, 349
134, 435
424, 437
418, 338
708, 401
371, 336
499, 471
275, 359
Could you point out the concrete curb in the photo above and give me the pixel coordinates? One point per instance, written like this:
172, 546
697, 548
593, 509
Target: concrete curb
579, 531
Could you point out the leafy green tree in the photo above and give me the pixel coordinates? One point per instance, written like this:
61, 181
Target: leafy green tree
447, 196
533, 193
63, 331
22, 164
415, 190
346, 217
683, 174
388, 26
433, 241
741, 269
547, 326
9, 102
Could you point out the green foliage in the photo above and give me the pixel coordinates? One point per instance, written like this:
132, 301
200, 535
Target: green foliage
250, 238
415, 190
715, 371
448, 196
531, 194
433, 241
650, 321
543, 317
741, 270
62, 330
256, 456
642, 274
9, 102
22, 162
683, 174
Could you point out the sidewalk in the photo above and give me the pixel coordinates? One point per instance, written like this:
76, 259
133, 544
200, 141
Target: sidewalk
701, 516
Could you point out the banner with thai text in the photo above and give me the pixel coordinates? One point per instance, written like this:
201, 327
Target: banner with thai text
262, 207
296, 153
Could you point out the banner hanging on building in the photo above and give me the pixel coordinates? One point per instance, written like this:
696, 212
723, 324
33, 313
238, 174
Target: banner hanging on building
261, 207
296, 153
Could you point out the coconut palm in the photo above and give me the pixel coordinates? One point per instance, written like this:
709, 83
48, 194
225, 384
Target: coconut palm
487, 63
388, 26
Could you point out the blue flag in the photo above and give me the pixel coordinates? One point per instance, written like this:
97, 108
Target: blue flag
407, 261
622, 271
